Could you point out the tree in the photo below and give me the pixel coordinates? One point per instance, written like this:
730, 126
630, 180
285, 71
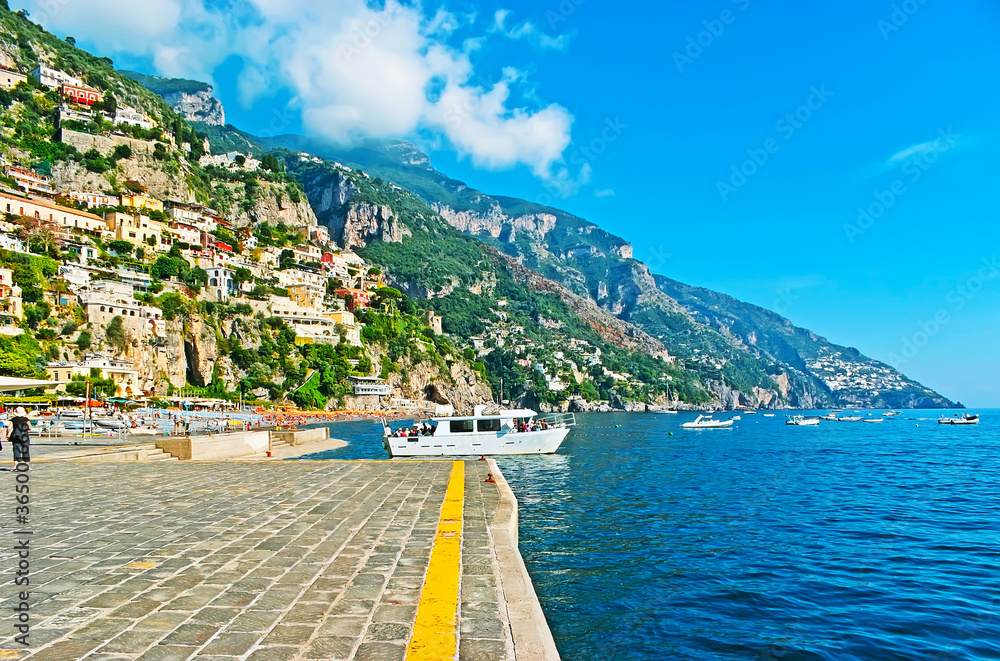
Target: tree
37, 313
108, 104
116, 334
286, 260
242, 275
270, 162
26, 278
160, 151
196, 278
83, 340
166, 267
122, 151
120, 247
241, 160
69, 40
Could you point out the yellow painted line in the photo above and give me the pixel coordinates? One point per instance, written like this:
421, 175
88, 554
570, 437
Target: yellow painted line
434, 631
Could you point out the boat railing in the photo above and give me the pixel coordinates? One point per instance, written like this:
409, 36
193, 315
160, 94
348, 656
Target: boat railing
564, 419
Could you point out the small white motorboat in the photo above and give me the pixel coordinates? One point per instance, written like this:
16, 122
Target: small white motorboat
736, 417
889, 414
666, 412
707, 422
872, 420
802, 421
111, 423
768, 415
967, 419
850, 418
832, 416
749, 413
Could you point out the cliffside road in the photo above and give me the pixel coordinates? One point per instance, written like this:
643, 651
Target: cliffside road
257, 560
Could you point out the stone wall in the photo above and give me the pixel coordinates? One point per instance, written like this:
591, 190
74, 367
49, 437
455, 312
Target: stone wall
103, 143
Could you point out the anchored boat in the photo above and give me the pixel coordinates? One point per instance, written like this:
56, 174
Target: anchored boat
802, 421
707, 422
967, 419
517, 431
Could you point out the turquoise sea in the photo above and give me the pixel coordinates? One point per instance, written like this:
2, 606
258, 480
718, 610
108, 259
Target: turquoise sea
764, 541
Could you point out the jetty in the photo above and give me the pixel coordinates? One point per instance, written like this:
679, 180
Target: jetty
263, 560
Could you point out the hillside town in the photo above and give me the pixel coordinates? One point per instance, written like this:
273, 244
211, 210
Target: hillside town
117, 248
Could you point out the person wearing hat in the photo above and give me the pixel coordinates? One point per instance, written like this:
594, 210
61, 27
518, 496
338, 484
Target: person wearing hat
20, 437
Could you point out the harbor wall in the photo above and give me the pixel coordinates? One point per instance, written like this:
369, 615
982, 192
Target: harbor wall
532, 637
216, 446
301, 436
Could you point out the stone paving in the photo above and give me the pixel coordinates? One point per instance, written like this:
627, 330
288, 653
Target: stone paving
242, 560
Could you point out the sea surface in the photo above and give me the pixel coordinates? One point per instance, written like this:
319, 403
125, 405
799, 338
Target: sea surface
764, 541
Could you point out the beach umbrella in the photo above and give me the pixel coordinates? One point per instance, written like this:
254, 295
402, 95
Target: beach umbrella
93, 402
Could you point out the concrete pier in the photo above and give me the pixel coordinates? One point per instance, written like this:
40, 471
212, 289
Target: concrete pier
259, 561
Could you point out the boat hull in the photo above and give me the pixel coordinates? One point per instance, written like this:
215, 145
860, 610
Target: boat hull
544, 441
715, 425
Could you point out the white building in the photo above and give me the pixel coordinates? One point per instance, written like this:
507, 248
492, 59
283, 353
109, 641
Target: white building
74, 114
8, 242
221, 284
53, 78
11, 79
293, 277
104, 300
29, 180
122, 372
67, 218
93, 200
132, 117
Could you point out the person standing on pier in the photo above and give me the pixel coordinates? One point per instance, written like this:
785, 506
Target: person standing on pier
20, 437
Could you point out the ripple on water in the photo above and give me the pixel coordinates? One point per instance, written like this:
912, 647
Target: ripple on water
871, 542
842, 542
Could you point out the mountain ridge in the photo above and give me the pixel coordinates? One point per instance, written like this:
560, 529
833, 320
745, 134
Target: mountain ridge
741, 352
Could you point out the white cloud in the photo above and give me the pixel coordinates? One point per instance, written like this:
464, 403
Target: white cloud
527, 31
909, 152
354, 70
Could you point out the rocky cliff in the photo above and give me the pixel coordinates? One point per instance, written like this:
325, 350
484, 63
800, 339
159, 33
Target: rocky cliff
192, 99
271, 205
144, 170
199, 106
455, 384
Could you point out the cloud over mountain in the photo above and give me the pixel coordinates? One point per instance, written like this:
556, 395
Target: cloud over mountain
353, 70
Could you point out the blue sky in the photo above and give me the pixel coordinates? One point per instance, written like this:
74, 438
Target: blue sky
902, 124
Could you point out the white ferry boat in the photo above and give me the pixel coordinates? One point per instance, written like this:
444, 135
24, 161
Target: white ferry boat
517, 431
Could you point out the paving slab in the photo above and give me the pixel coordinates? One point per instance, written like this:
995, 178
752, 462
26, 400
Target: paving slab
249, 560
